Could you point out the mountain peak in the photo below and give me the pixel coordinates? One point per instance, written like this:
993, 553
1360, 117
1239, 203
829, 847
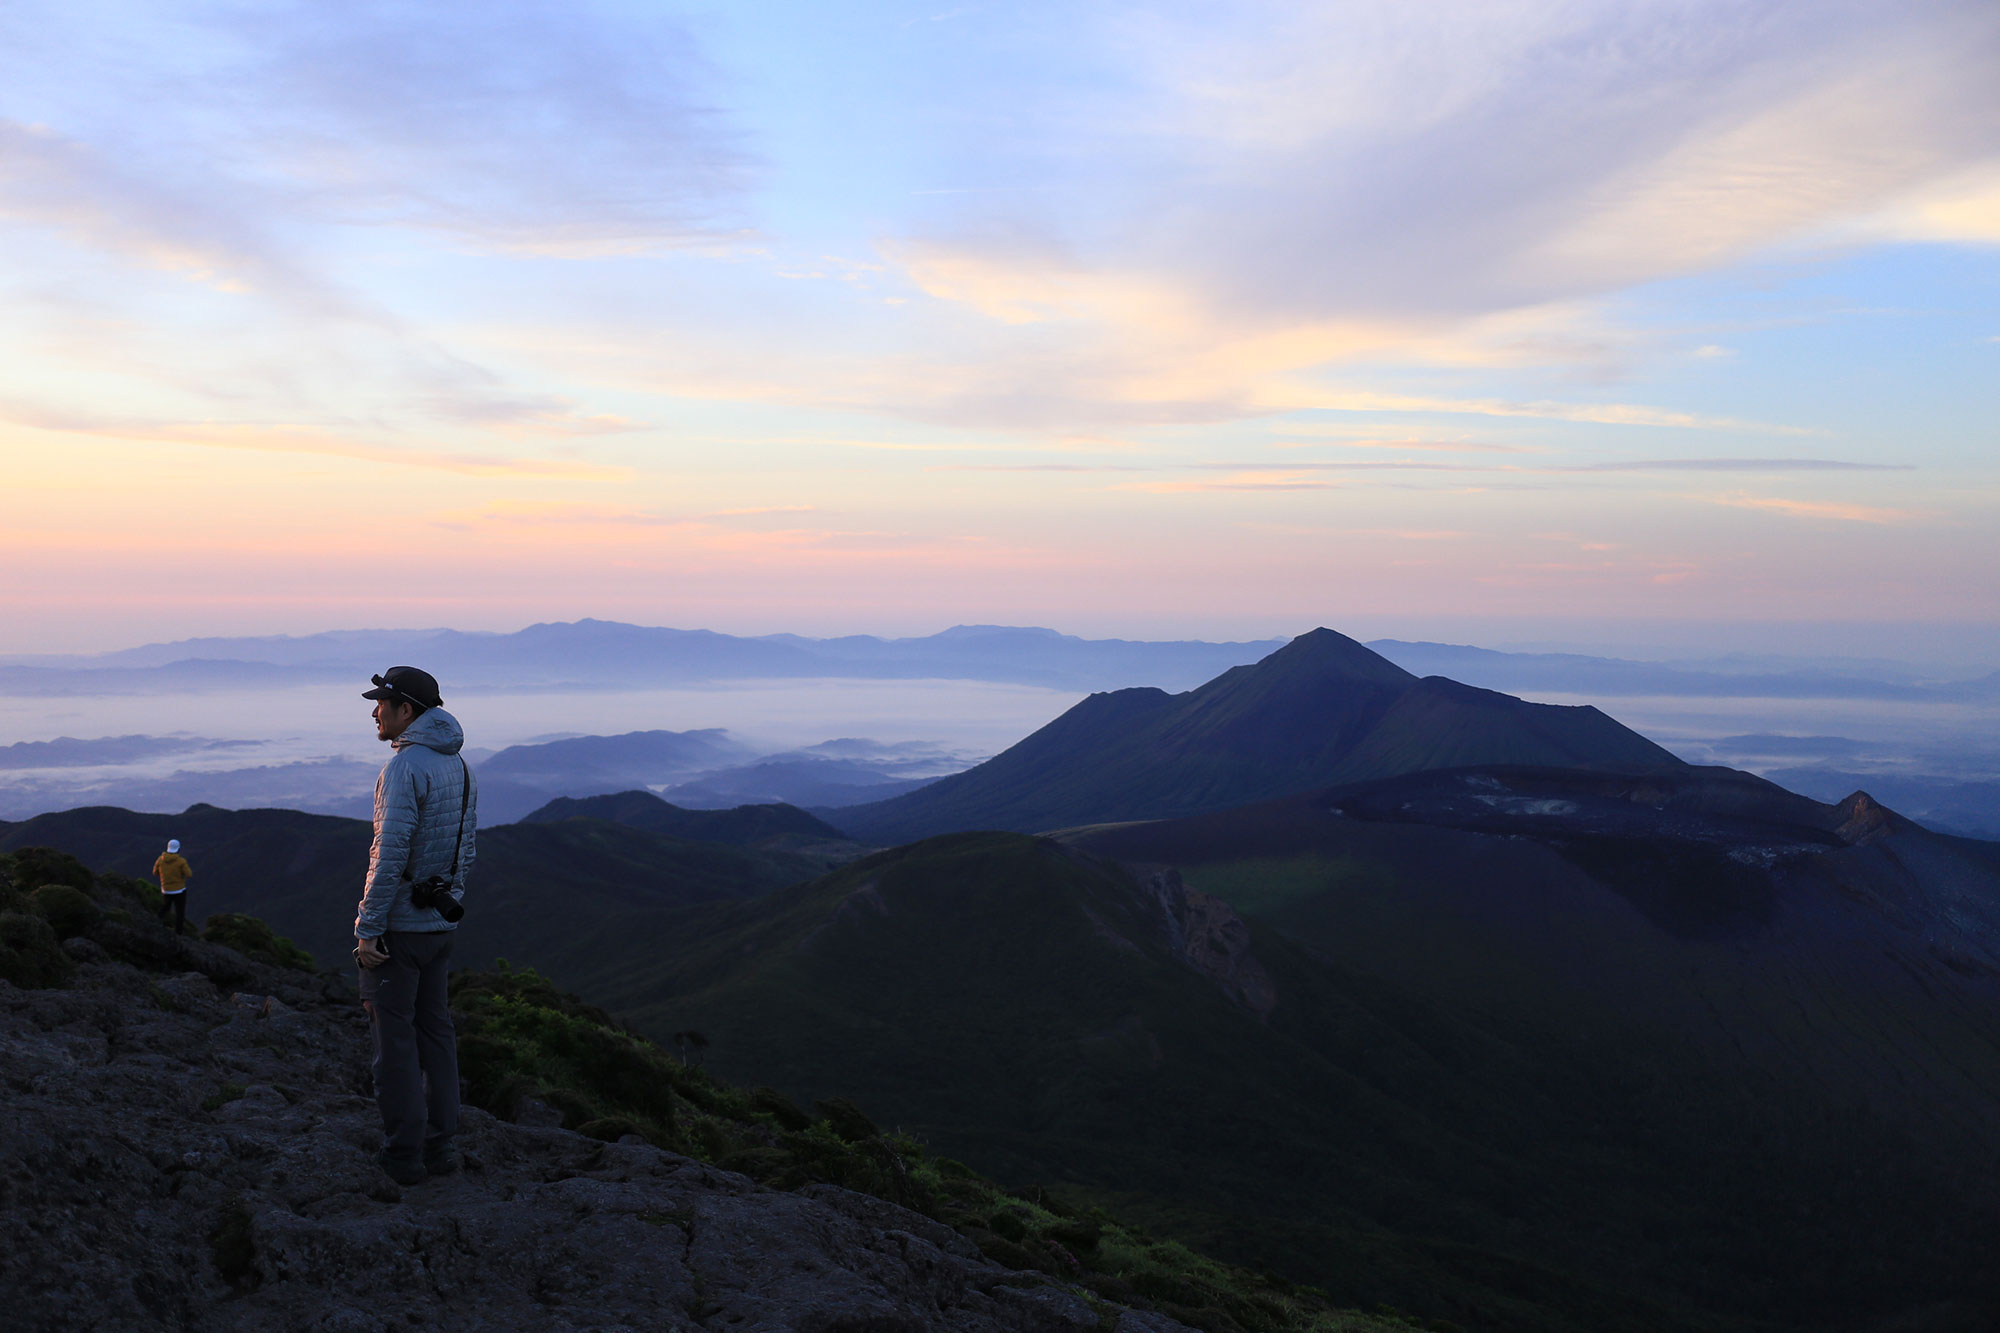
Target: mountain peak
1320, 711
1863, 820
987, 631
1326, 652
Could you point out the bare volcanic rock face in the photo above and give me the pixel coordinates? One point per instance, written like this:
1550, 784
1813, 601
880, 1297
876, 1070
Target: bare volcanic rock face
183, 1153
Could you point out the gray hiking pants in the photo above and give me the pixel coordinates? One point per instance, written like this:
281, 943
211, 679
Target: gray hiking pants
416, 1051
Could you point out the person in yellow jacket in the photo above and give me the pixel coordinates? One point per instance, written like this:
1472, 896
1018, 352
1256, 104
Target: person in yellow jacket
173, 872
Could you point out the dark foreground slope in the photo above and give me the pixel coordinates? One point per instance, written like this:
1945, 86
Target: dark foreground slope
534, 885
1321, 710
1645, 1054
186, 1147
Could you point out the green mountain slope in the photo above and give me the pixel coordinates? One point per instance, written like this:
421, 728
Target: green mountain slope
537, 891
1321, 710
773, 828
743, 826
1511, 1075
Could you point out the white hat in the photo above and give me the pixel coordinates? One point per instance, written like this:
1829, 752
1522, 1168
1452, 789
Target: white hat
173, 844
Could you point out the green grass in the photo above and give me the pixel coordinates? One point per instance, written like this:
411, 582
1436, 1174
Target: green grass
1262, 885
519, 1036
222, 1096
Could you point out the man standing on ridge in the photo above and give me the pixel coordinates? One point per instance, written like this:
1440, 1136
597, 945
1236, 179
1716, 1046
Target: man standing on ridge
173, 872
425, 820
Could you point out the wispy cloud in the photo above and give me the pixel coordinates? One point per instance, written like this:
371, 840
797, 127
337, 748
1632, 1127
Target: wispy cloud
1415, 446
287, 438
473, 397
526, 125
1826, 509
1602, 414
1352, 184
1045, 467
1412, 534
162, 221
1199, 487
312, 440
1744, 465
1767, 465
534, 513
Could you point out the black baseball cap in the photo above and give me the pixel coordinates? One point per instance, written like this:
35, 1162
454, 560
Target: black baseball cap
406, 683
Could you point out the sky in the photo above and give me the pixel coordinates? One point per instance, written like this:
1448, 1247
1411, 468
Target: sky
1606, 321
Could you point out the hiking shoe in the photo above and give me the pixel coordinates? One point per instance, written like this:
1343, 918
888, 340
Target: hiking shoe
401, 1169
441, 1159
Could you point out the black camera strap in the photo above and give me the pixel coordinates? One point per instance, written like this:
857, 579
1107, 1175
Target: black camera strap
458, 844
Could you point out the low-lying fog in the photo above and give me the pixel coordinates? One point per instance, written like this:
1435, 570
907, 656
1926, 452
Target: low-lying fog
300, 722
312, 746
215, 735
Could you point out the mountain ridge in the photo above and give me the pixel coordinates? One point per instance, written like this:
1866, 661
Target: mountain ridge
583, 651
1323, 709
304, 872
1559, 1049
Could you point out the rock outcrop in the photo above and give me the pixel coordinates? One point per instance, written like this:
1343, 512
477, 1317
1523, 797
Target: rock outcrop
1863, 821
1207, 934
180, 1152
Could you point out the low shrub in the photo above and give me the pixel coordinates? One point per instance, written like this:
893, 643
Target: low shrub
30, 955
32, 867
520, 1036
846, 1119
779, 1107
68, 910
124, 894
255, 939
1008, 1253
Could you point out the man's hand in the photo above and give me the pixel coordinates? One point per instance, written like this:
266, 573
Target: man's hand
369, 952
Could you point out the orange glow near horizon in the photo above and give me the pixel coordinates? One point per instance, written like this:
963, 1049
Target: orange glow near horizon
336, 354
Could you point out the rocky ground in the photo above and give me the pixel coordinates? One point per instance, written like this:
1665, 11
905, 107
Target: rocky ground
195, 1149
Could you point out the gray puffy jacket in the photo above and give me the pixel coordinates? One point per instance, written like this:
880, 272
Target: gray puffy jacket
418, 798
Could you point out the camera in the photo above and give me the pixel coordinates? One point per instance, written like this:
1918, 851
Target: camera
436, 892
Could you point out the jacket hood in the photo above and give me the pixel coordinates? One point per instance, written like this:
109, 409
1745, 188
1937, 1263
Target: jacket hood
437, 730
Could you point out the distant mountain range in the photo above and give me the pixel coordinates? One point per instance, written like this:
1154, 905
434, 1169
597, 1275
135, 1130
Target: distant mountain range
1943, 767
598, 654
69, 752
831, 775
1574, 673
601, 653
1321, 710
522, 778
707, 770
